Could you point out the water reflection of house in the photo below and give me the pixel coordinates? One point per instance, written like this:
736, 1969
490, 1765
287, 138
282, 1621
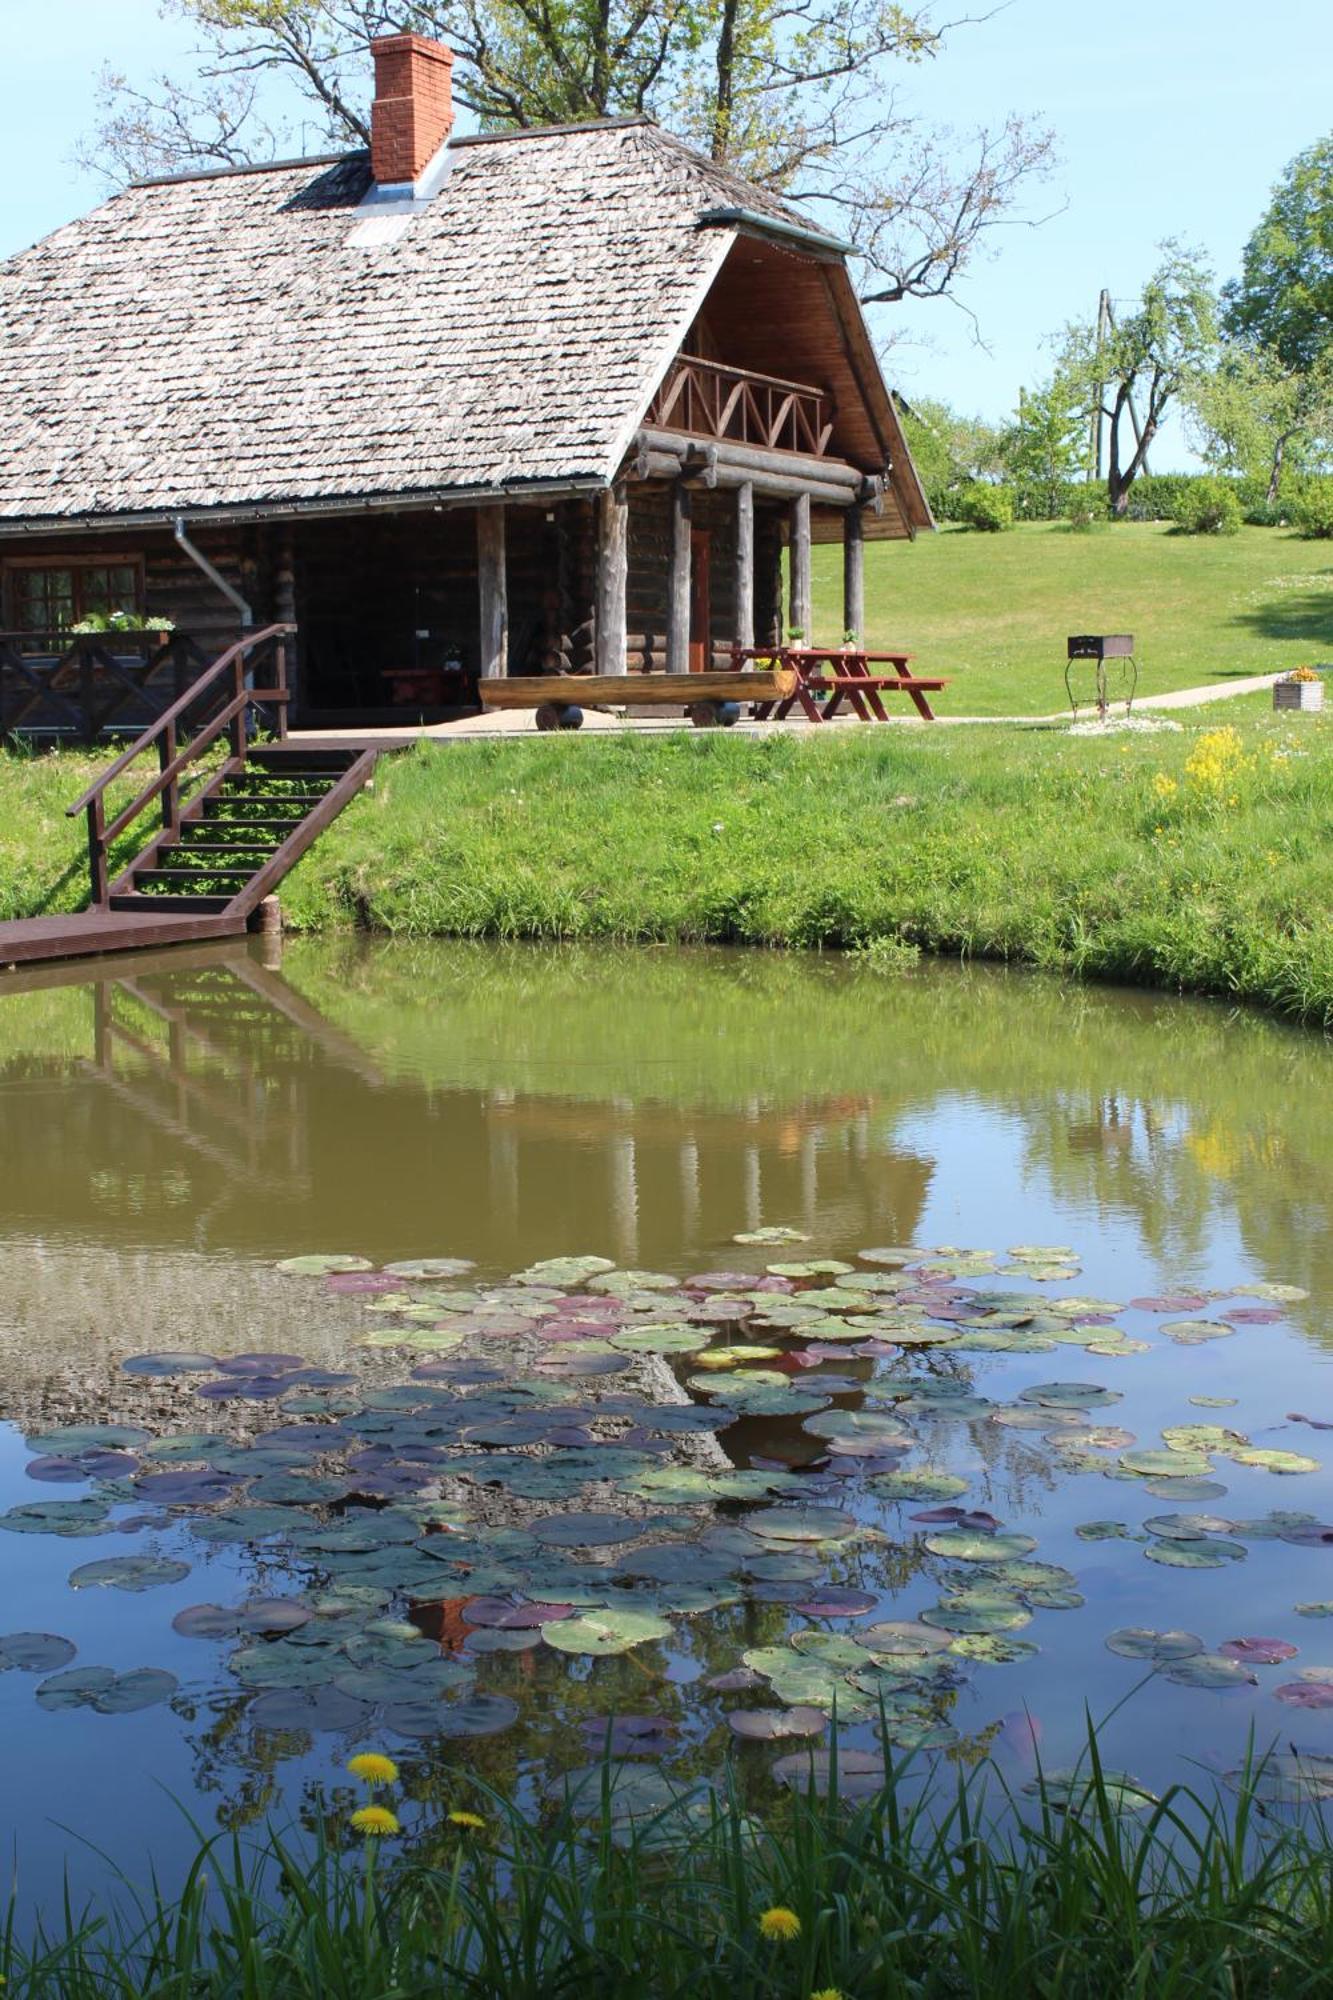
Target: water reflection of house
218, 1108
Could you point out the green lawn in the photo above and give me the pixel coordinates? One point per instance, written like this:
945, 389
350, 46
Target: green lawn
992, 611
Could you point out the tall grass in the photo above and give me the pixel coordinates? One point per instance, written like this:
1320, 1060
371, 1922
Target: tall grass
1103, 858
928, 1891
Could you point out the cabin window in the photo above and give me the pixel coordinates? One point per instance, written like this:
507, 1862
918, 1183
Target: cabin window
52, 596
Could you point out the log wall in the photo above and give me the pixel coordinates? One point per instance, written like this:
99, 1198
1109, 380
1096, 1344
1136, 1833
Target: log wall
714, 509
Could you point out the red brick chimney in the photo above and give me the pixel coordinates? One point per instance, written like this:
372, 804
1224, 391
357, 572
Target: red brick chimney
413, 112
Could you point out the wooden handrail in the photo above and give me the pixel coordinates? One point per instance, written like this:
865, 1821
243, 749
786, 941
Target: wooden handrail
746, 375
177, 709
171, 760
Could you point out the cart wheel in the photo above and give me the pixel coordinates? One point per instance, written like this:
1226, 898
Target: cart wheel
559, 715
705, 714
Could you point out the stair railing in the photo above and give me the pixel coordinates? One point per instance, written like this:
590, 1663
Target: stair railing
234, 668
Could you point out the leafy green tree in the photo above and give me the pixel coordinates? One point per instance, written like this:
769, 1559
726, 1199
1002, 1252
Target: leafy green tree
949, 450
796, 94
1253, 415
1133, 370
1047, 444
1283, 299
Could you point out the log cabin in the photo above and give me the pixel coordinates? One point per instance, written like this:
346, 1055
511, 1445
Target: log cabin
516, 402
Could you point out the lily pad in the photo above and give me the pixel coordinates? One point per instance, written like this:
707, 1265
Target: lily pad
599, 1634
322, 1267
430, 1267
1284, 1462
316, 1709
587, 1531
134, 1573
107, 1692
1305, 1694
844, 1772
1210, 1670
34, 1652
966, 1545
801, 1524
1200, 1554
1258, 1652
770, 1725
1140, 1642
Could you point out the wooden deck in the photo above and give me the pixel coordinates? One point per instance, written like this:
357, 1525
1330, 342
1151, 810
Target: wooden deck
91, 933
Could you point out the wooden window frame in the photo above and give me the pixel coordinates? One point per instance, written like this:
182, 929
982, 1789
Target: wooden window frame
13, 565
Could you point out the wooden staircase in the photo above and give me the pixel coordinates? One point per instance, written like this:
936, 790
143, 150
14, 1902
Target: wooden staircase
220, 849
241, 833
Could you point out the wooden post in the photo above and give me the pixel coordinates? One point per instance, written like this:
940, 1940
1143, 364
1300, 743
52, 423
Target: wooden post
744, 632
612, 576
799, 615
678, 582
493, 590
854, 574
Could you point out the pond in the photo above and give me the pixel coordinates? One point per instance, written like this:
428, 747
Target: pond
792, 1333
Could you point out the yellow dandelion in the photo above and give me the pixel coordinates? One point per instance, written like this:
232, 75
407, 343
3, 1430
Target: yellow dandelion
375, 1821
470, 1822
780, 1925
828, 1993
373, 1768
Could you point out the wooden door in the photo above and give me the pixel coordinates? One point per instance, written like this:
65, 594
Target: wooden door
701, 638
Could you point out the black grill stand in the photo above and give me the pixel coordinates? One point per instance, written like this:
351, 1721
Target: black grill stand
1101, 647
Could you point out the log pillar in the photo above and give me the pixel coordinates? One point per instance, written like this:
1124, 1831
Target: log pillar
854, 574
678, 581
799, 552
744, 632
493, 591
612, 575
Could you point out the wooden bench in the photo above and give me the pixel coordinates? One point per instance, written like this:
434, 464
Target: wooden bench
709, 699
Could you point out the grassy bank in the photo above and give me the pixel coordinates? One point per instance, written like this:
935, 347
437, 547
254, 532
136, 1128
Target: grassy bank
993, 611
1097, 1889
1201, 860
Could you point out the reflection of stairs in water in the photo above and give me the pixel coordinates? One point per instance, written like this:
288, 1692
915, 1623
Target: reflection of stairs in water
198, 1051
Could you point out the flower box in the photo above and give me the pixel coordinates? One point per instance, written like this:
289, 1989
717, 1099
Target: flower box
1298, 694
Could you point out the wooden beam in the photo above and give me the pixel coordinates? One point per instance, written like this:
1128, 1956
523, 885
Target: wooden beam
854, 574
493, 591
829, 477
799, 552
744, 592
678, 581
612, 574
586, 690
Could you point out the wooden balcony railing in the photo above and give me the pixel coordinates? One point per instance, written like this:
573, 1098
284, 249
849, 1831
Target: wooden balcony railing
707, 399
85, 686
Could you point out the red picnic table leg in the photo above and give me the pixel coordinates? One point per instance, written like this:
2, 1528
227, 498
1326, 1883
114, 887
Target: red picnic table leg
923, 706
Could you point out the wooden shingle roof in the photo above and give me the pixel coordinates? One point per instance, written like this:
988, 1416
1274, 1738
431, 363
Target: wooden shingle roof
221, 342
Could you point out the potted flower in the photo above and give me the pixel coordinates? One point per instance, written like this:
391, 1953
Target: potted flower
795, 637
1302, 688
850, 643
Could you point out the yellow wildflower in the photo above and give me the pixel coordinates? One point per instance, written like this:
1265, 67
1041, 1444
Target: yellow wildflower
780, 1925
373, 1768
828, 1993
375, 1821
469, 1821
1165, 785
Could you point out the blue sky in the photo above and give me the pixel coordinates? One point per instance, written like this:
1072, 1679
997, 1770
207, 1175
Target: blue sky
1172, 117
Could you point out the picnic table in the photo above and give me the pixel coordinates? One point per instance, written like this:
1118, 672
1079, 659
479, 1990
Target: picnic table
841, 674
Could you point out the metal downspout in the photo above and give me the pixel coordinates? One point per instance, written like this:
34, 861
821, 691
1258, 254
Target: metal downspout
200, 560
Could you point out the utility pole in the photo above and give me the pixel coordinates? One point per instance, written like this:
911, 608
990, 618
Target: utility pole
1104, 325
